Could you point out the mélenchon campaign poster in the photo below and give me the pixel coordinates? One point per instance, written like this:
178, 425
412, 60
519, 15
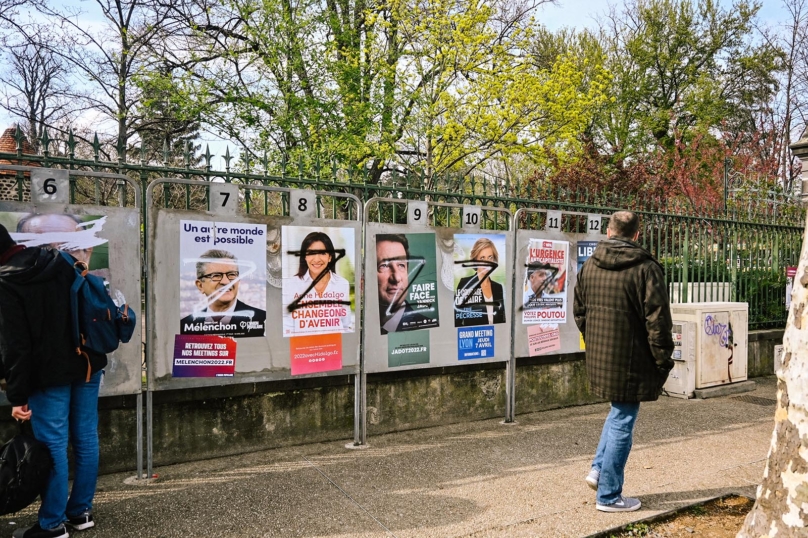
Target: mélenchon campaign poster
222, 278
75, 234
319, 271
406, 274
544, 292
479, 278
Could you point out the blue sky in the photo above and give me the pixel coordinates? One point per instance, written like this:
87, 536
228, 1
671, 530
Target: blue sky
582, 13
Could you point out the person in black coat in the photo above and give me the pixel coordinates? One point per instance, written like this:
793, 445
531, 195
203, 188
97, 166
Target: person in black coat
48, 381
621, 308
478, 299
217, 278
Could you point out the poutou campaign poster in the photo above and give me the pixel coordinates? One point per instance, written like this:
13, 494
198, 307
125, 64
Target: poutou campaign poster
544, 290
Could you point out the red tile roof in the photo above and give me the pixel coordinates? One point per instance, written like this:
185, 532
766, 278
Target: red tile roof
8, 144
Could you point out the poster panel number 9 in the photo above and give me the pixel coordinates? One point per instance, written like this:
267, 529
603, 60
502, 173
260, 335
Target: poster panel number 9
471, 216
50, 185
417, 213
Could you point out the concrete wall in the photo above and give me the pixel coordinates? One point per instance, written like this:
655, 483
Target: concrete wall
760, 360
212, 422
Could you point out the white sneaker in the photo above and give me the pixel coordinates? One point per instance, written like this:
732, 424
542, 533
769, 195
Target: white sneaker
592, 479
623, 504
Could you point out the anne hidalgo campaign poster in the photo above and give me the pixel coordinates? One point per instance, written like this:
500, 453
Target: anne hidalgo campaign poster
318, 270
222, 294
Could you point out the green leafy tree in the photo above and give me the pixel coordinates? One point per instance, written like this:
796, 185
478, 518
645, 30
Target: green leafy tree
681, 67
165, 119
427, 86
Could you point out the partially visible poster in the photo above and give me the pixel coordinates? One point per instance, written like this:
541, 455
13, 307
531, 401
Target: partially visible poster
406, 348
543, 339
315, 353
406, 275
479, 275
791, 272
544, 292
75, 234
585, 250
319, 267
222, 278
203, 356
475, 343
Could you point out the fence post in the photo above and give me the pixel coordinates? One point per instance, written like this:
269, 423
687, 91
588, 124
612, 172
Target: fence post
683, 298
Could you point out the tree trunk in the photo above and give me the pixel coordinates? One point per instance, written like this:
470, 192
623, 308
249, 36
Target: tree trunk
781, 508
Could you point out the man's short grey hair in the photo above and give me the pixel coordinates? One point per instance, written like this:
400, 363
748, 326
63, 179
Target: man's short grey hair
22, 224
211, 256
624, 224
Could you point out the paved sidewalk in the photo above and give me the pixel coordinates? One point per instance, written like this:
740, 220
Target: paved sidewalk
474, 479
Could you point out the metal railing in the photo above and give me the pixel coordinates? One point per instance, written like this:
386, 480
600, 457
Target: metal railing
737, 253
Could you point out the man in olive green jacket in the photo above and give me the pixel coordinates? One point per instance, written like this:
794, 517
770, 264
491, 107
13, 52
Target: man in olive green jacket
622, 310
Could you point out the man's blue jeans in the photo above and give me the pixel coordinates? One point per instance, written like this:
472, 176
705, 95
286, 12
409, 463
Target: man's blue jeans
58, 414
613, 449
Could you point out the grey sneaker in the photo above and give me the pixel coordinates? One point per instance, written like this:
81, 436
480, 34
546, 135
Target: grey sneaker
623, 504
592, 479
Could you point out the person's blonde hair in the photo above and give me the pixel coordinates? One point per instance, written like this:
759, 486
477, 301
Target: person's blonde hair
480, 245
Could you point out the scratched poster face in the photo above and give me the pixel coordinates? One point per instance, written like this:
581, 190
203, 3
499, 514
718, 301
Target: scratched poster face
319, 271
223, 278
479, 279
544, 291
406, 274
76, 234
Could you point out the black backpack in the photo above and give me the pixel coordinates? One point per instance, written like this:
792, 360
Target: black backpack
25, 465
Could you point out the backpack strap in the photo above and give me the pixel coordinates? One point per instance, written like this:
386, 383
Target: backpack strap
78, 340
89, 366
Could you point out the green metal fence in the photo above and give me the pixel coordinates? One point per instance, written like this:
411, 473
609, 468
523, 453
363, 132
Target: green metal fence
736, 253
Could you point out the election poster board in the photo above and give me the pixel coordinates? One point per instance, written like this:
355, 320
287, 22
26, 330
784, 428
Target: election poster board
105, 238
220, 289
440, 296
547, 266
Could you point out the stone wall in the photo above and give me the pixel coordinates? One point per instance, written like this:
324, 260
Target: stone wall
222, 421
